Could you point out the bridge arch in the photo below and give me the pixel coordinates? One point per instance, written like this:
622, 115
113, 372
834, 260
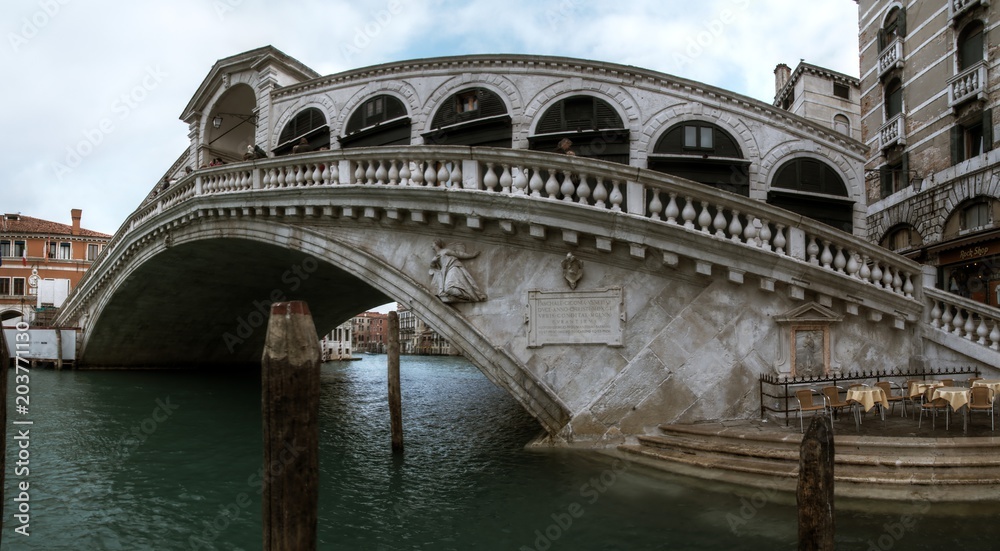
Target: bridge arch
288, 264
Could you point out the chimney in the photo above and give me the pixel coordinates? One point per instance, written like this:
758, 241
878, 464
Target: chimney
76, 214
781, 75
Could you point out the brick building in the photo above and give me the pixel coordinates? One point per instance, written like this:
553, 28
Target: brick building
369, 332
929, 81
35, 253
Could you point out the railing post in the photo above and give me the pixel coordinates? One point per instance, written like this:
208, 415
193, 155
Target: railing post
796, 243
197, 185
256, 177
345, 172
471, 178
635, 197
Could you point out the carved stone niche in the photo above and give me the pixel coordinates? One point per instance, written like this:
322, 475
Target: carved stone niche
806, 341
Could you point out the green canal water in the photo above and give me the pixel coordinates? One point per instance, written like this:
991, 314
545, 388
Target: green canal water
160, 460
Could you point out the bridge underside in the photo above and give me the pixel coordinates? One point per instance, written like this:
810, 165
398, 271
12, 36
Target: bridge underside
207, 303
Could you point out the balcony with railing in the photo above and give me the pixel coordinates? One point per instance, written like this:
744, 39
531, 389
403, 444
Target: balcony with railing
968, 85
891, 57
892, 132
956, 8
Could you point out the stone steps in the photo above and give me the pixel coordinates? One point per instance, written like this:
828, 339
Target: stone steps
962, 468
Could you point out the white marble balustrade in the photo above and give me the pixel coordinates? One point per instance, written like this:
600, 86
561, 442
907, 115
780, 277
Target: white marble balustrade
963, 318
969, 84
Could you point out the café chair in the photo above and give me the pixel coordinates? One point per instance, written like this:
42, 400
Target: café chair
931, 405
893, 399
947, 382
806, 403
835, 404
981, 399
972, 380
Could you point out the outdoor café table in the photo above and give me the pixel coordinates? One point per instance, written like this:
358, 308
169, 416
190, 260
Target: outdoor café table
867, 397
993, 384
917, 388
956, 396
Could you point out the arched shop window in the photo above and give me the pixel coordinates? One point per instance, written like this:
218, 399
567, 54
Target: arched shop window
381, 120
592, 124
812, 188
309, 124
702, 152
473, 117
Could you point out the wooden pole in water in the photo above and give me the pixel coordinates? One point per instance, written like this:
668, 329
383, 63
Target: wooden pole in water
290, 412
395, 398
814, 493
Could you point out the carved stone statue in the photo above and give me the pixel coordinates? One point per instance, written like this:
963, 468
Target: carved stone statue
572, 270
452, 282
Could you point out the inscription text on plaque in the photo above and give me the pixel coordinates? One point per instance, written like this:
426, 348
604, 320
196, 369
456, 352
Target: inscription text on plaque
576, 317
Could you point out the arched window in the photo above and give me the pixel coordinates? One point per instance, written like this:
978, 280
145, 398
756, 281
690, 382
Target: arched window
381, 120
474, 117
812, 188
970, 45
703, 152
901, 238
893, 99
842, 124
310, 125
591, 123
893, 27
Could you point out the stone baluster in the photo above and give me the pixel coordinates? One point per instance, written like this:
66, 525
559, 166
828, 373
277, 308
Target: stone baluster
864, 272
853, 266
704, 217
418, 175
672, 212
568, 189
970, 326
600, 193
936, 314
393, 173
826, 257
455, 177
839, 260
946, 318
616, 195
583, 190
908, 286
266, 180
324, 175
995, 336
535, 183
370, 173
317, 175
887, 277
443, 175
381, 174
719, 223
283, 176
958, 322
552, 186
779, 238
876, 274
764, 235
982, 331
334, 173
812, 250
506, 180
404, 173
655, 205
430, 175
688, 214
359, 173
736, 227
304, 176
521, 181
490, 179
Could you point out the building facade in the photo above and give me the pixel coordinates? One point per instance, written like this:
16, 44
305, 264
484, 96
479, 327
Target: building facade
416, 337
337, 345
929, 80
39, 259
369, 332
820, 95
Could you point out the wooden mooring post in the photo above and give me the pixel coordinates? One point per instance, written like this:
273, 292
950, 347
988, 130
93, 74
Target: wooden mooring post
395, 397
814, 493
290, 413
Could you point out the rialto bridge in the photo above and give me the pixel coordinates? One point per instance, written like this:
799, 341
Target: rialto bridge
605, 297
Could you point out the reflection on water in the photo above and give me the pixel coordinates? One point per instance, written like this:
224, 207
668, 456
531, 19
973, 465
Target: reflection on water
133, 460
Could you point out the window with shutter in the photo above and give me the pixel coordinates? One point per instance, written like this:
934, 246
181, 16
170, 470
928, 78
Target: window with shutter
309, 124
970, 45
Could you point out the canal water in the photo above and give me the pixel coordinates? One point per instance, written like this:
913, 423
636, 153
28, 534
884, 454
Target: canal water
171, 460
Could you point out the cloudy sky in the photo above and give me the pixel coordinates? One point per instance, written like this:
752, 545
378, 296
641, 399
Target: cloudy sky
95, 89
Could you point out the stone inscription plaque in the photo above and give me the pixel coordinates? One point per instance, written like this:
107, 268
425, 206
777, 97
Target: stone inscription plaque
576, 317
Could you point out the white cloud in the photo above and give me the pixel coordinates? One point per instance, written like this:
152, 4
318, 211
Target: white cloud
71, 66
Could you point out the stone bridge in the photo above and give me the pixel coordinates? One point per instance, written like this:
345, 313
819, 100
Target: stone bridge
610, 298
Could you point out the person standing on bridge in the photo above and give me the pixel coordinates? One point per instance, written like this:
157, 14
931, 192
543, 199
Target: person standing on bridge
452, 282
